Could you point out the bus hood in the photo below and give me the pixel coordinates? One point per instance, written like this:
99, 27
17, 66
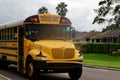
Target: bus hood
56, 49
55, 43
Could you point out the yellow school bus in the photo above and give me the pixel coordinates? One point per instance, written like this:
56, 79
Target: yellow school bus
41, 43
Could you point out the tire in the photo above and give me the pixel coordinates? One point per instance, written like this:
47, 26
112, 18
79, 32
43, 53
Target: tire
75, 74
0, 64
3, 64
31, 71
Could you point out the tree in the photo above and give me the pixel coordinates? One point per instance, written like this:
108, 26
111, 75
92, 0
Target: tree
109, 12
43, 10
61, 9
102, 11
110, 27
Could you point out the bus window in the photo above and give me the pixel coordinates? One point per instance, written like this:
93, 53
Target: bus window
0, 34
10, 33
38, 32
15, 33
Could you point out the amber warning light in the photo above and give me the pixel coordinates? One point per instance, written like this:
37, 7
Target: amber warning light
65, 21
32, 19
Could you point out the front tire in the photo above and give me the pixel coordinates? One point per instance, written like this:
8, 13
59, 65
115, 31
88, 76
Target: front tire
31, 71
75, 74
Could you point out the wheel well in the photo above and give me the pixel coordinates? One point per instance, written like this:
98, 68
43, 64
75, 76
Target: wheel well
28, 57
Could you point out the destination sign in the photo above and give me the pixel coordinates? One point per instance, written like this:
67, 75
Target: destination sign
49, 19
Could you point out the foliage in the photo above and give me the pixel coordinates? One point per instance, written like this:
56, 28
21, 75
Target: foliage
102, 11
61, 9
111, 27
43, 10
108, 11
103, 48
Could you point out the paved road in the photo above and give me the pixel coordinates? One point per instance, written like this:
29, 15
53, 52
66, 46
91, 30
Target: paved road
88, 74
100, 74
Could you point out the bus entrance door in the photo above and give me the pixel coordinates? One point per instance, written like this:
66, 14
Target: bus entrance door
21, 50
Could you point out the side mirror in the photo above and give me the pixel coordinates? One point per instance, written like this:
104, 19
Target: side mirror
73, 32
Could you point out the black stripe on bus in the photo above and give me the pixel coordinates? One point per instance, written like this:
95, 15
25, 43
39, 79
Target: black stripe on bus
9, 54
10, 48
10, 61
8, 40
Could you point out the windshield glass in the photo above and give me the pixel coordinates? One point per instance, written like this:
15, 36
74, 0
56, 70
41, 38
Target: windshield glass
39, 32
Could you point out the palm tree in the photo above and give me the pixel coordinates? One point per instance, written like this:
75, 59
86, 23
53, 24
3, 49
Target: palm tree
61, 9
43, 10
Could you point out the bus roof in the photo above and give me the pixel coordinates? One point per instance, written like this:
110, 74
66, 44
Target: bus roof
11, 24
38, 18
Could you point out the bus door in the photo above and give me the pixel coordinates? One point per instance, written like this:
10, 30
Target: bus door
21, 49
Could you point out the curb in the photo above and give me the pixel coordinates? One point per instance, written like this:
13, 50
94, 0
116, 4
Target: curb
105, 68
4, 77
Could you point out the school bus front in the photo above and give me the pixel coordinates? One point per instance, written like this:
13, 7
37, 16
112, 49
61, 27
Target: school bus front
50, 47
41, 43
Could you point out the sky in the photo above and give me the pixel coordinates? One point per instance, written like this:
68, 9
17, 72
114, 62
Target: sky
80, 12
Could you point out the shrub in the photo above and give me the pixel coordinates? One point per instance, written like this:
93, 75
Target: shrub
98, 47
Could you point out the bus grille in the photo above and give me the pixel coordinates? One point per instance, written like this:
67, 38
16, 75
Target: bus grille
63, 54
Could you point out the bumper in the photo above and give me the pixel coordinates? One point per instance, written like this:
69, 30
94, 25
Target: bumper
58, 66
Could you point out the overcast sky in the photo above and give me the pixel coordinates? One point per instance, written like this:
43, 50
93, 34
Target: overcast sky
80, 12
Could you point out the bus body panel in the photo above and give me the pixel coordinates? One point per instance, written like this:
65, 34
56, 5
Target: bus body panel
40, 43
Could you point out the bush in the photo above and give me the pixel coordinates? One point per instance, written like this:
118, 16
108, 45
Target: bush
98, 47
114, 53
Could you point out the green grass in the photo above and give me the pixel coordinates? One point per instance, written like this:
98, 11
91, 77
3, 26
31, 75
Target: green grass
102, 60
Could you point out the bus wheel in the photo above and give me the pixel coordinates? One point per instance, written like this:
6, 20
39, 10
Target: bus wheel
31, 70
3, 64
75, 74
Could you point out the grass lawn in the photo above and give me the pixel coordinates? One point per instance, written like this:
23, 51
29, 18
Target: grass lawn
103, 60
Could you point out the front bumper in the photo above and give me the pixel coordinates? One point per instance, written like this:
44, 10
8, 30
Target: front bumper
58, 66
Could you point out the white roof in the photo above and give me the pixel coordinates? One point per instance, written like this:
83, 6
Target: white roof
13, 23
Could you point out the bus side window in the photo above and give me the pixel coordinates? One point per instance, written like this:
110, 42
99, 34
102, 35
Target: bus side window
16, 36
10, 34
4, 34
0, 34
15, 33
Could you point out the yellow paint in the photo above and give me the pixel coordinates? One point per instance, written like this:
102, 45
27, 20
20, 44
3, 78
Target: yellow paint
0, 56
9, 51
12, 58
54, 50
9, 44
27, 44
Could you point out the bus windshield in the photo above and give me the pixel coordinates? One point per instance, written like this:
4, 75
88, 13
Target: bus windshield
46, 32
